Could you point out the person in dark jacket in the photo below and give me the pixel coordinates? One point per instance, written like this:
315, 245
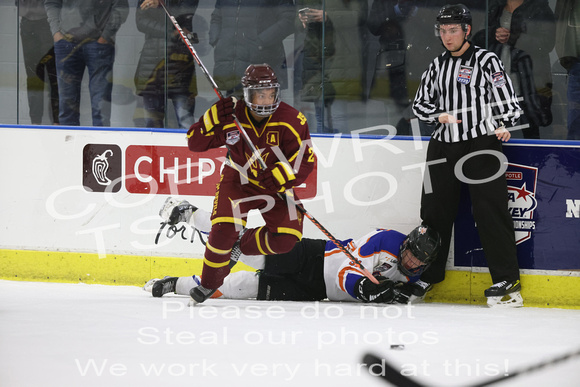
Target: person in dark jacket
243, 32
522, 34
166, 69
332, 78
386, 21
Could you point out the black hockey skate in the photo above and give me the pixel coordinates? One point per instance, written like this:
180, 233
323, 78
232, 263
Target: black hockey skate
505, 294
199, 294
163, 286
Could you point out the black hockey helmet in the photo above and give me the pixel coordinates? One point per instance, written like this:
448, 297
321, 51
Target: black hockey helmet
453, 14
260, 76
424, 243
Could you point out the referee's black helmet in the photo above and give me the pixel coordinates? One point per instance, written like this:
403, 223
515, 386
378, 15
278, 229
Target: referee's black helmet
454, 14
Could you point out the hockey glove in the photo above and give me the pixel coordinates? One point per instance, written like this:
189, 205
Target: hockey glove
276, 178
408, 292
175, 211
219, 114
367, 291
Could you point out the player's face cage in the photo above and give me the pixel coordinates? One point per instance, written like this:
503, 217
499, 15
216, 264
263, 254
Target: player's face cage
409, 264
263, 99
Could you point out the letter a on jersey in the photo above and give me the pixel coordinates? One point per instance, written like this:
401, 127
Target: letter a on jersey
272, 138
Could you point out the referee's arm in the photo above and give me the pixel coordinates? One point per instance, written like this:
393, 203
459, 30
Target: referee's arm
426, 103
505, 104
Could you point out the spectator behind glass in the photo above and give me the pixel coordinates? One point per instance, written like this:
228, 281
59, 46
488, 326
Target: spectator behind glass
568, 50
84, 37
388, 19
342, 65
244, 32
38, 53
522, 34
166, 69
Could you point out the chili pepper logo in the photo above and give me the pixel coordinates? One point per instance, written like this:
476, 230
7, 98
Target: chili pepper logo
100, 168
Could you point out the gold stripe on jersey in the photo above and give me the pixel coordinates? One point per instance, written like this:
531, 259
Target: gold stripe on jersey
216, 250
228, 219
215, 265
259, 245
291, 231
229, 126
258, 134
289, 127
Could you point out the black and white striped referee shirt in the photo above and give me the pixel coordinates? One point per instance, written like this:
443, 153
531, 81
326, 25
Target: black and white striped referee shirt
472, 87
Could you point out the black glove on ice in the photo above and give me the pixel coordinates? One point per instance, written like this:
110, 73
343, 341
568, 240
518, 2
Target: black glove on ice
367, 291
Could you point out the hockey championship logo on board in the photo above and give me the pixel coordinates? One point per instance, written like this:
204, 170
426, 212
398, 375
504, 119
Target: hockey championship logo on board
522, 202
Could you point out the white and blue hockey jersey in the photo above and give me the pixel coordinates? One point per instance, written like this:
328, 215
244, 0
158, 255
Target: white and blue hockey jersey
378, 252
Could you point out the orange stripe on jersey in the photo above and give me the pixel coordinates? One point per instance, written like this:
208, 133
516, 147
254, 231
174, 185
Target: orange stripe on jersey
349, 247
329, 253
217, 294
343, 273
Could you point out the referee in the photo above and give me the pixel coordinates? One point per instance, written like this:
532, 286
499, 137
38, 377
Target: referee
470, 99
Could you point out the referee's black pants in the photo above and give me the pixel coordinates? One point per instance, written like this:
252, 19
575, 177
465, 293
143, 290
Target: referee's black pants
439, 205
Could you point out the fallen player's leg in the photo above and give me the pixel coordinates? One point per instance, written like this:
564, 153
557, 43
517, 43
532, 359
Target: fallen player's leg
238, 285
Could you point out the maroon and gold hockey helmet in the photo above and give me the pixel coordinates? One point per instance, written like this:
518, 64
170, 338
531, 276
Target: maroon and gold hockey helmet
257, 77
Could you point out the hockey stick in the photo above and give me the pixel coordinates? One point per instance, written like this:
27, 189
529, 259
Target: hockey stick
256, 154
394, 376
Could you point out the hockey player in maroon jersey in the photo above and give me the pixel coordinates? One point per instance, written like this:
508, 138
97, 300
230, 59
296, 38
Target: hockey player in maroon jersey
281, 134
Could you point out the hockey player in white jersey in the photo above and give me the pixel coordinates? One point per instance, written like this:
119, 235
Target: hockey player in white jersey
316, 269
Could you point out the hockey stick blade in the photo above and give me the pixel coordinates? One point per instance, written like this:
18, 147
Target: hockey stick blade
379, 367
530, 369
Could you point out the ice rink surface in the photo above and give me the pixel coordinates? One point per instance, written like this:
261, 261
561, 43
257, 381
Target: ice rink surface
64, 335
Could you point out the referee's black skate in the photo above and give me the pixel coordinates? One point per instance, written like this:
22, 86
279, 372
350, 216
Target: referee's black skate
505, 294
